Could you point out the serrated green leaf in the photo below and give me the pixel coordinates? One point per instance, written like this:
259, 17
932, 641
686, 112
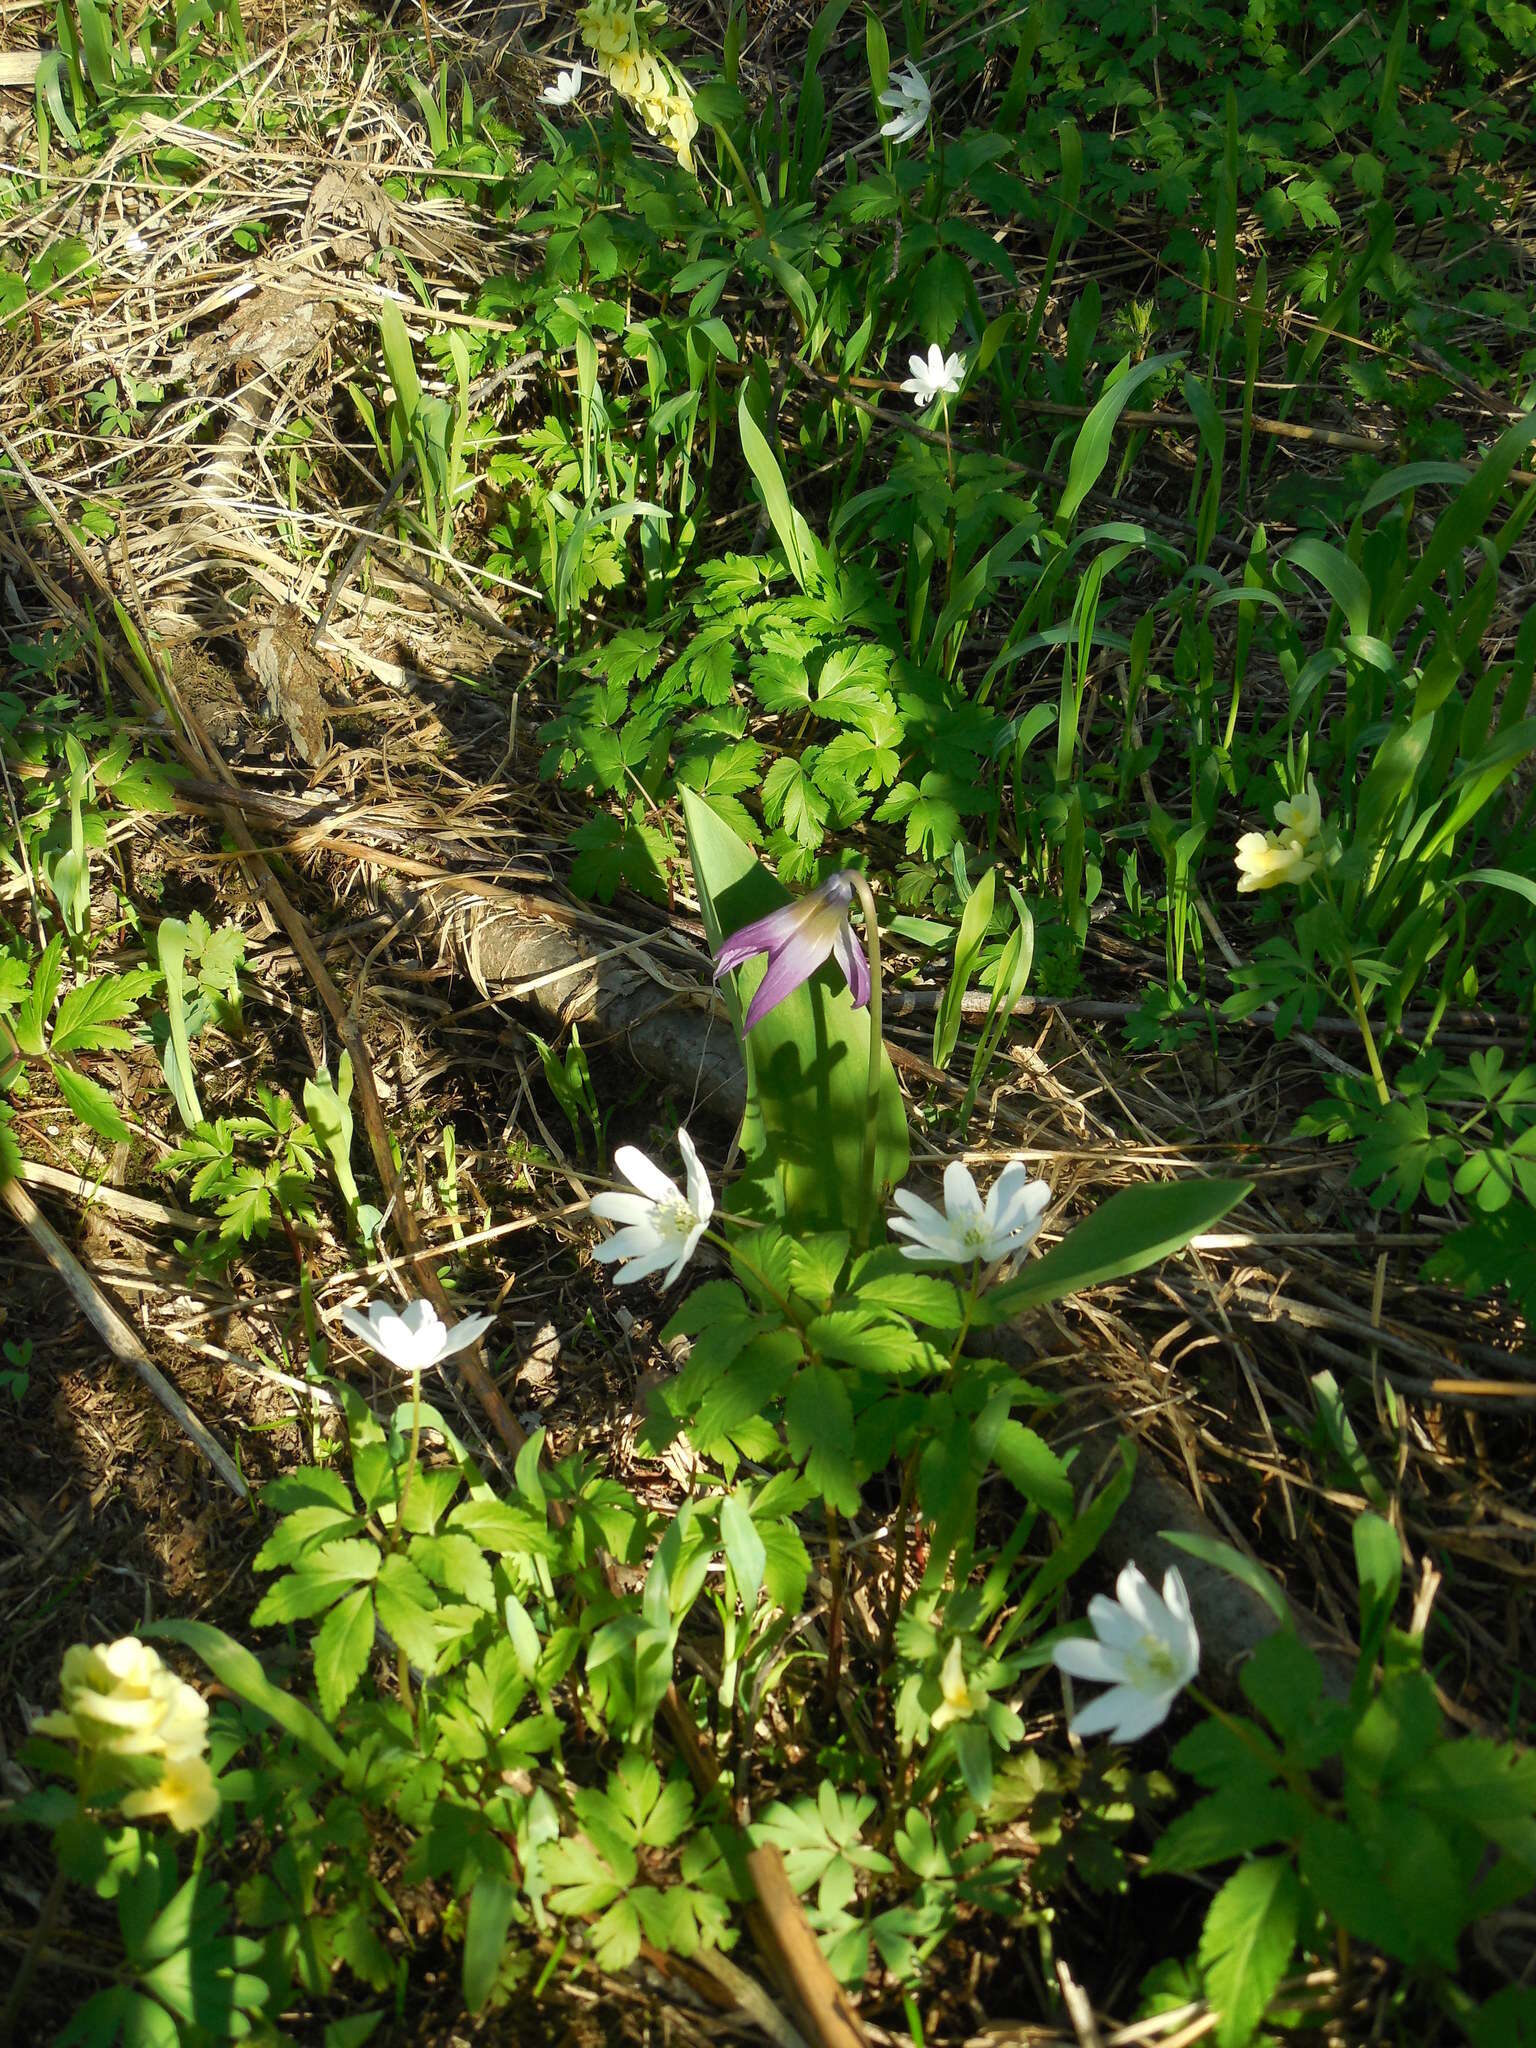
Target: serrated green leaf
343, 1646
1247, 1941
89, 1101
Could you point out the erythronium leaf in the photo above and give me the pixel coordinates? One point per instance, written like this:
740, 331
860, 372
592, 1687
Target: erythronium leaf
1133, 1229
1227, 1558
806, 1060
1247, 1940
233, 1665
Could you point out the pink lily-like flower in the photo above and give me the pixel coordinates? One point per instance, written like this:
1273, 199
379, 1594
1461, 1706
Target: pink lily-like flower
797, 938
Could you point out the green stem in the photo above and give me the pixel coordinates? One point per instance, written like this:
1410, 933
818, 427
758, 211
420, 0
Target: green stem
835, 1606
410, 1460
866, 898
16, 2002
1372, 1057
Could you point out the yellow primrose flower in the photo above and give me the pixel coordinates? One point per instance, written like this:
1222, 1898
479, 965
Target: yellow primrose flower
959, 1702
636, 75
119, 1697
1265, 860
607, 29
186, 1795
1301, 817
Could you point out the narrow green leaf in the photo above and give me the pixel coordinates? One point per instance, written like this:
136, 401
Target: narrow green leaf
793, 534
485, 1934
234, 1666
1090, 451
343, 1646
1227, 1558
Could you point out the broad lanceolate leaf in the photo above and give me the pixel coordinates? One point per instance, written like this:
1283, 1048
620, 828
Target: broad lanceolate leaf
1133, 1229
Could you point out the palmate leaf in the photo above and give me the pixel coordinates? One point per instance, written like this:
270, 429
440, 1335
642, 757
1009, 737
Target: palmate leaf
806, 1060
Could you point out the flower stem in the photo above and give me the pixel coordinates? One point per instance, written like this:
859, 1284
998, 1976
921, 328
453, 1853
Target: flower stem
834, 1606
867, 1166
1372, 1057
403, 1662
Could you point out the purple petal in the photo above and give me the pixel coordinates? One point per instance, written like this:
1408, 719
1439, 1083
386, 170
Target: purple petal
791, 965
763, 935
851, 957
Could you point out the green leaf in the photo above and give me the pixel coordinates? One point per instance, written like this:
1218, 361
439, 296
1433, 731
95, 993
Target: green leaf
485, 1933
743, 1547
1247, 1941
794, 535
343, 1646
818, 1418
974, 920
172, 941
235, 1667
1227, 1558
1133, 1229
1379, 1565
1229, 1823
1034, 1469
92, 1104
1090, 451
806, 1060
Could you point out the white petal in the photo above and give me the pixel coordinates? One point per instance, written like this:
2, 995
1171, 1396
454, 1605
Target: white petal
962, 1202
1112, 1625
1184, 1637
1093, 1661
643, 1268
621, 1208
649, 1179
464, 1333
1140, 1600
684, 1255
1141, 1712
922, 1213
360, 1325
701, 1198
1104, 1715
637, 1241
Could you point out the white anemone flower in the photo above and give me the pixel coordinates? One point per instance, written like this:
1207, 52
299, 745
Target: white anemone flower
566, 88
966, 1229
1147, 1650
413, 1338
661, 1225
934, 376
910, 100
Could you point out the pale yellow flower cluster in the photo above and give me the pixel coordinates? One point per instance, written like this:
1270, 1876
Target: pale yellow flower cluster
120, 1700
1268, 860
659, 94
